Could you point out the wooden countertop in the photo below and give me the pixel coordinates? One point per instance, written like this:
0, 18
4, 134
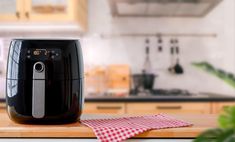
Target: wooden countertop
76, 130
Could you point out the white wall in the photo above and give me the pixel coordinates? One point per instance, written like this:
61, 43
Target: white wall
219, 51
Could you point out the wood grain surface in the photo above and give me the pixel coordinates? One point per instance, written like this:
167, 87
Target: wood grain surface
76, 130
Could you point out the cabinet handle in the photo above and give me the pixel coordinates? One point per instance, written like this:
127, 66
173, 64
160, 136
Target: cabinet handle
18, 14
169, 107
27, 14
108, 107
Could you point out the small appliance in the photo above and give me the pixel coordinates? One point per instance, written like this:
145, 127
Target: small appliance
44, 81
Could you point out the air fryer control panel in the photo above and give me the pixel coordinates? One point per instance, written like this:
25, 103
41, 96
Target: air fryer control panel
44, 54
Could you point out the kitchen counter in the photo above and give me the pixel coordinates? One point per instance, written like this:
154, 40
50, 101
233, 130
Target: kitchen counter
197, 98
77, 130
207, 97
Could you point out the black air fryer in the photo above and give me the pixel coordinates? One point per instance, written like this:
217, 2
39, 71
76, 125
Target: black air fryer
44, 81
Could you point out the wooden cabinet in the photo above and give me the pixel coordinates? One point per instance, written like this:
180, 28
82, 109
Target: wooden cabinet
10, 10
52, 10
170, 107
137, 108
104, 108
68, 11
217, 107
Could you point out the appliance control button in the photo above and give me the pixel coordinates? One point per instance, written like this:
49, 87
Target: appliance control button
28, 56
28, 51
39, 67
52, 56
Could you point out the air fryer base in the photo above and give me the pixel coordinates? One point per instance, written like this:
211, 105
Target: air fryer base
65, 119
70, 111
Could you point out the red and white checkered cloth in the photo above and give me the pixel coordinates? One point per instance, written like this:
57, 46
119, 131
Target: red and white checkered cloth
119, 129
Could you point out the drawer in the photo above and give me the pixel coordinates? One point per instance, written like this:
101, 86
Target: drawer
107, 108
217, 108
171, 108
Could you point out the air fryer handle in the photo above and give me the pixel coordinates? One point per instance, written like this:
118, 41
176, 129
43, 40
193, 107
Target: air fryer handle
38, 90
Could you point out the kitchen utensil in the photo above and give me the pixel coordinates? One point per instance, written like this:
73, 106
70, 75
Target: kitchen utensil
95, 80
147, 63
178, 69
159, 42
148, 81
44, 81
143, 81
147, 41
138, 82
171, 68
118, 78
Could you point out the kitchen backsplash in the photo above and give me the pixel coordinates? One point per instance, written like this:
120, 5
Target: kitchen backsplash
131, 51
219, 50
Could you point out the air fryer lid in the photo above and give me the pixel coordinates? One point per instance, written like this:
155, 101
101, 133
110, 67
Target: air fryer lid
62, 59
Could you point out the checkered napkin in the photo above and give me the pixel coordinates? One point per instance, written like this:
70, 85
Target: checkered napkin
119, 129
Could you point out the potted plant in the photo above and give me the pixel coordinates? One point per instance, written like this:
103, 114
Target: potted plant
226, 130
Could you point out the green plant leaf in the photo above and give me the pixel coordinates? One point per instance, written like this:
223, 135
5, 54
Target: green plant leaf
219, 73
209, 136
224, 121
226, 132
226, 136
217, 135
227, 120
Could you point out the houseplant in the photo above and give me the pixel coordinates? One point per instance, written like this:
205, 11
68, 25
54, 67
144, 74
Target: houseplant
226, 130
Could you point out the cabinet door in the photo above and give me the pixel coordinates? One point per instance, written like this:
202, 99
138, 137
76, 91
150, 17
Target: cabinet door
10, 10
171, 108
104, 108
81, 13
217, 108
49, 10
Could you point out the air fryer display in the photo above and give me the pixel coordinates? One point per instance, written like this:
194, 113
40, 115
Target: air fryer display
44, 54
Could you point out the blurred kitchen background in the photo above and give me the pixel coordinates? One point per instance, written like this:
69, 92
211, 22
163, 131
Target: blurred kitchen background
136, 50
